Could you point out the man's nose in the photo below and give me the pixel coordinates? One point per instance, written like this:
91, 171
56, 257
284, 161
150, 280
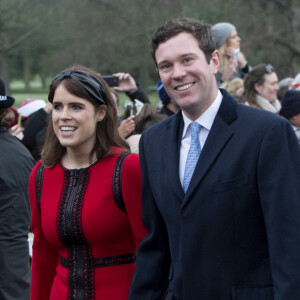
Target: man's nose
178, 71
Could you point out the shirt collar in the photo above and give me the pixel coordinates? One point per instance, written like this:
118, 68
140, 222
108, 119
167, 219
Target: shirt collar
207, 118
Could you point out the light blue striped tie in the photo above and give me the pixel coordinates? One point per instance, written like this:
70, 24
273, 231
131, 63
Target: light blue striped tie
193, 155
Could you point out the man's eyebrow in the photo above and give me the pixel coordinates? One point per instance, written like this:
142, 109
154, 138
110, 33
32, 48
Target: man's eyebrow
180, 57
188, 54
163, 62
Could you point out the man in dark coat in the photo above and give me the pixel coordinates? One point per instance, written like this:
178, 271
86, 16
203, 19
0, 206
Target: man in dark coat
15, 166
233, 230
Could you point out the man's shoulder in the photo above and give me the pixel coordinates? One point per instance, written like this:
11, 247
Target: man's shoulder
255, 115
163, 127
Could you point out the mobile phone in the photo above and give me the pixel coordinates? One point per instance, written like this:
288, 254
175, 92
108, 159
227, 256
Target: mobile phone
19, 119
130, 109
127, 112
235, 54
111, 80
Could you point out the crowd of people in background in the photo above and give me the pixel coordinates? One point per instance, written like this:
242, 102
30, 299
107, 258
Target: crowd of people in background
31, 133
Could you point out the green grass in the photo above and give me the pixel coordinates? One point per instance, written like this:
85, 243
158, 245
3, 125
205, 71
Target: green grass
21, 97
17, 88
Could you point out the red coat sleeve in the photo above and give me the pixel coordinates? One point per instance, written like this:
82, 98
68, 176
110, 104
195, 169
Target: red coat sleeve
44, 256
131, 191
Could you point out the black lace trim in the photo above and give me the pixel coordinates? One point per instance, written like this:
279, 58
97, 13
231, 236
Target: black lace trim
107, 261
117, 181
69, 228
38, 183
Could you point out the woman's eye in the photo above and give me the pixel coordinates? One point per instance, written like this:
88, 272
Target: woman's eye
76, 107
56, 106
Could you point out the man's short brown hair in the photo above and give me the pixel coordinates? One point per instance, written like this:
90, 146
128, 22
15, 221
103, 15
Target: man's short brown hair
199, 29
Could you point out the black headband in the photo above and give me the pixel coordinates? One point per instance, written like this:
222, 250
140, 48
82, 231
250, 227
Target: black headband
87, 80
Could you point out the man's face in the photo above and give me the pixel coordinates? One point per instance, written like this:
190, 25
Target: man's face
187, 77
269, 88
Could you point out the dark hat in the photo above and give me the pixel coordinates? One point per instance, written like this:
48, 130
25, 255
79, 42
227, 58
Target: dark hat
5, 101
290, 104
164, 97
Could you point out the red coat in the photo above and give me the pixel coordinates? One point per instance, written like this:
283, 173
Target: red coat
84, 244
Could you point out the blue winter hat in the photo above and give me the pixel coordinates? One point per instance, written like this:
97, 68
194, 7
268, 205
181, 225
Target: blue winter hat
164, 97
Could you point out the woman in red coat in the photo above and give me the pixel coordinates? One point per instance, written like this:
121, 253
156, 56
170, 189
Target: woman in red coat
85, 196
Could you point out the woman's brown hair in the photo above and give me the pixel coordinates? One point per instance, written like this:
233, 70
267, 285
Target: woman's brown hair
256, 75
107, 134
6, 117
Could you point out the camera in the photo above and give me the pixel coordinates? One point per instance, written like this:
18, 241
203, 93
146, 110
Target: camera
111, 80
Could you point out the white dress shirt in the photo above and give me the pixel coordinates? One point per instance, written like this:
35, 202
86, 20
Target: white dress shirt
205, 120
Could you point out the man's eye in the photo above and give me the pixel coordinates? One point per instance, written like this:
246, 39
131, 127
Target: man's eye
187, 59
164, 67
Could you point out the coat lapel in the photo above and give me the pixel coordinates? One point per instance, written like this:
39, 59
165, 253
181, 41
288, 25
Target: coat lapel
172, 159
219, 135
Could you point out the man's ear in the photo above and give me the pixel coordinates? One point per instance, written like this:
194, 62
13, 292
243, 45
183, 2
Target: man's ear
215, 61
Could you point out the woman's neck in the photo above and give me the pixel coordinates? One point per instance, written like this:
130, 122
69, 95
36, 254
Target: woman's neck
75, 160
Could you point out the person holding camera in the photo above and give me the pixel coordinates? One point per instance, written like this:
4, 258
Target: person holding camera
127, 84
233, 61
85, 196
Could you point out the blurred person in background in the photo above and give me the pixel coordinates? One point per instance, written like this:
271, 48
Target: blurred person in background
261, 87
169, 107
34, 115
125, 126
233, 61
16, 164
128, 85
25, 110
35, 130
85, 196
235, 86
291, 110
296, 83
284, 85
147, 117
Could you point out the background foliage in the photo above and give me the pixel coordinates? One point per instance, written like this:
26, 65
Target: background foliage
40, 38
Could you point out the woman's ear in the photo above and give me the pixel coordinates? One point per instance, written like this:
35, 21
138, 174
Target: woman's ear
257, 88
101, 112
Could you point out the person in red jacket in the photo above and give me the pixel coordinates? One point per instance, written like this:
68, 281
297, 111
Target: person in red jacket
85, 196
